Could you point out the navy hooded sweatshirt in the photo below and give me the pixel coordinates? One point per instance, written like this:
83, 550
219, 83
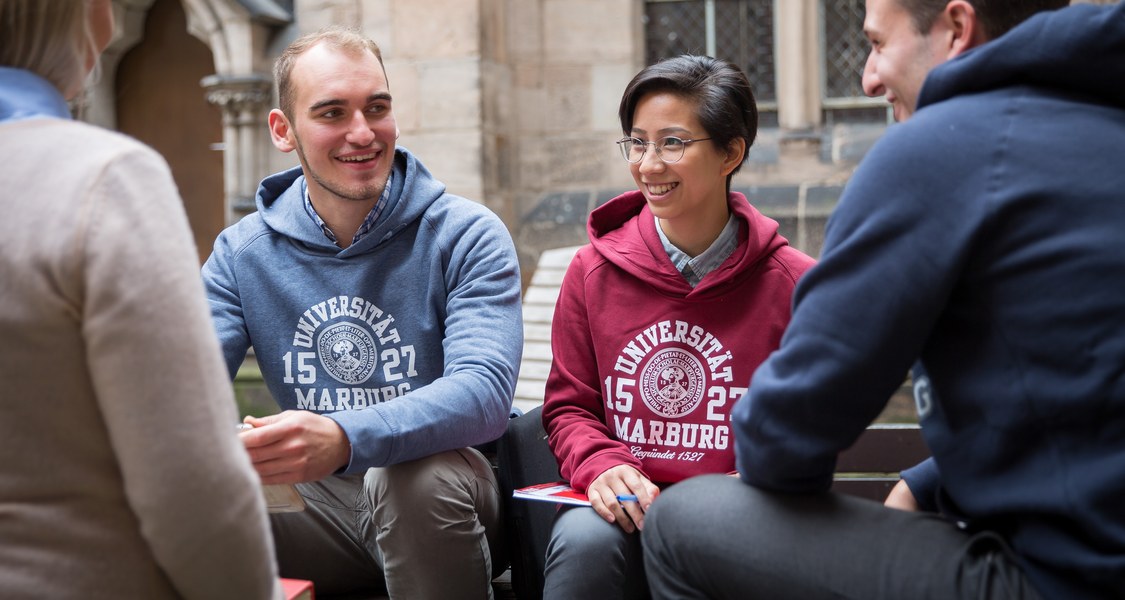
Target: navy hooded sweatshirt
984, 238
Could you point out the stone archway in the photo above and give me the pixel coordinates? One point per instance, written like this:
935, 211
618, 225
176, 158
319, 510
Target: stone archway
237, 33
158, 101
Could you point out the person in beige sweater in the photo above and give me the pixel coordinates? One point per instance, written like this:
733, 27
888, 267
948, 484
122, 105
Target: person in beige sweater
122, 473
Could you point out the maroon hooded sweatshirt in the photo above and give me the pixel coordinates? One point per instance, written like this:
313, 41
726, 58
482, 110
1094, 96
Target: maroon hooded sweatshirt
646, 368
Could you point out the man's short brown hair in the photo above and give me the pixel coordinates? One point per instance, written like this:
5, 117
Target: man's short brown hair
336, 36
997, 17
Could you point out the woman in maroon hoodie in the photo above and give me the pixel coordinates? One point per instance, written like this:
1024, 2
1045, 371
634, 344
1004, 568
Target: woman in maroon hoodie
662, 319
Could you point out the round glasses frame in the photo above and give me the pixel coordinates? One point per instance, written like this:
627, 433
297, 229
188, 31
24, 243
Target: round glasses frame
669, 149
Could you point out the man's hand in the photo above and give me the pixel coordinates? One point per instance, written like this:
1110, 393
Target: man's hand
295, 446
901, 497
622, 480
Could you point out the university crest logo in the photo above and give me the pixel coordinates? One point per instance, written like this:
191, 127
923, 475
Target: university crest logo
347, 352
672, 382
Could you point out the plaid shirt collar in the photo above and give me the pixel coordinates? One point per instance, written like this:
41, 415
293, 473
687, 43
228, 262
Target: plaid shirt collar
368, 222
695, 269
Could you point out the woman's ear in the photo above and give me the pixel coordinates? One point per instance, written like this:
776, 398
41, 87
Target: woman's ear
735, 150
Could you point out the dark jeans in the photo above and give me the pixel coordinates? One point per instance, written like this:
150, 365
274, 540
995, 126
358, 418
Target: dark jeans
716, 537
590, 558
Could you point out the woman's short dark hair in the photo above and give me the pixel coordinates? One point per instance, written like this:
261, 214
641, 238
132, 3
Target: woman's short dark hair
724, 102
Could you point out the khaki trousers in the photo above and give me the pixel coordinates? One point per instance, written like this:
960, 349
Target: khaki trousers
424, 529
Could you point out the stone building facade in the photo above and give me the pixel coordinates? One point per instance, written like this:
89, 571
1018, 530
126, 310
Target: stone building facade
510, 102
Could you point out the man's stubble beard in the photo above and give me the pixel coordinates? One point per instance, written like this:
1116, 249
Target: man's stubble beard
368, 193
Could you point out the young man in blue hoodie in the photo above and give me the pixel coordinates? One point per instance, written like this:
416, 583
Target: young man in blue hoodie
981, 240
384, 313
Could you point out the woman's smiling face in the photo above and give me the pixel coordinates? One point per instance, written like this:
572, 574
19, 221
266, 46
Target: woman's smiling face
692, 189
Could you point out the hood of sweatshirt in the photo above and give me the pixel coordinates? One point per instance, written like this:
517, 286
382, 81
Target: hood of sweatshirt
1075, 50
623, 231
281, 205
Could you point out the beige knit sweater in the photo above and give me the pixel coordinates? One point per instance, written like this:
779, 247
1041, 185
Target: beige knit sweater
121, 474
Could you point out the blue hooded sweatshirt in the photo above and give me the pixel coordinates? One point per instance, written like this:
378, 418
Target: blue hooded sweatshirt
410, 338
984, 237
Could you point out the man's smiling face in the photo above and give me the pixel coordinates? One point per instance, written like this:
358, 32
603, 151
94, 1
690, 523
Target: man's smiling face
342, 125
900, 57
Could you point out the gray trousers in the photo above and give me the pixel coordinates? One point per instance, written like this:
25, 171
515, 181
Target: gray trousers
425, 529
716, 537
590, 558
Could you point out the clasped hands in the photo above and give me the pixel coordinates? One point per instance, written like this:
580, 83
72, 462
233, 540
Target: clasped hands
295, 446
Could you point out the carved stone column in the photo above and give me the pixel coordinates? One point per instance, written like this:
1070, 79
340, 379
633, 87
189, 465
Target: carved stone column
245, 102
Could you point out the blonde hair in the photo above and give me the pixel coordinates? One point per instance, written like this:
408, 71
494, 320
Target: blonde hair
342, 38
50, 38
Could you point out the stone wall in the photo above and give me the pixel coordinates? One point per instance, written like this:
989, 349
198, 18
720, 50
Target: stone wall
513, 103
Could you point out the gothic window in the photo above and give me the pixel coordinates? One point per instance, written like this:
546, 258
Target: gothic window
739, 31
844, 52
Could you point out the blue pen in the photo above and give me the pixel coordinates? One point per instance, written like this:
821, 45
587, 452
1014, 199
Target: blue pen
626, 498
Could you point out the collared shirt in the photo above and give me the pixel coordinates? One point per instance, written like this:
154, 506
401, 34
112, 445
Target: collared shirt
695, 269
368, 221
25, 95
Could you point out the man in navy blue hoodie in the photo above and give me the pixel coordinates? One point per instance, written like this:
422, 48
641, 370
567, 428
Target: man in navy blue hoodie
384, 314
982, 240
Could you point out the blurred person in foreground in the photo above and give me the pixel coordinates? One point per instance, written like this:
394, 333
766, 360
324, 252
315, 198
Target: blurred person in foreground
980, 240
123, 476
684, 290
385, 315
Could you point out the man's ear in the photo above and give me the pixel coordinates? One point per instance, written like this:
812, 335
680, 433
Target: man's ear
963, 28
733, 158
281, 132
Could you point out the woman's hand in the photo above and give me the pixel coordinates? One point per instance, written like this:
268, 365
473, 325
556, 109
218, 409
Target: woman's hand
622, 480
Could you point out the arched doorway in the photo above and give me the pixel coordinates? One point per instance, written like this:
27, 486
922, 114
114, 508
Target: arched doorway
160, 102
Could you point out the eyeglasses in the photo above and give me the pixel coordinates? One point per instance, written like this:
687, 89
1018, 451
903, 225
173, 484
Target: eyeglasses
668, 149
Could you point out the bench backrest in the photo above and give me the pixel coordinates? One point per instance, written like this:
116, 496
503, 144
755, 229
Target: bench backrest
871, 467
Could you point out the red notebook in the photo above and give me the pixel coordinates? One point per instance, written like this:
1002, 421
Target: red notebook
556, 491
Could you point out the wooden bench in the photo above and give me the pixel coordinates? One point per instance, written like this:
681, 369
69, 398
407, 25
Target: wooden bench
870, 468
